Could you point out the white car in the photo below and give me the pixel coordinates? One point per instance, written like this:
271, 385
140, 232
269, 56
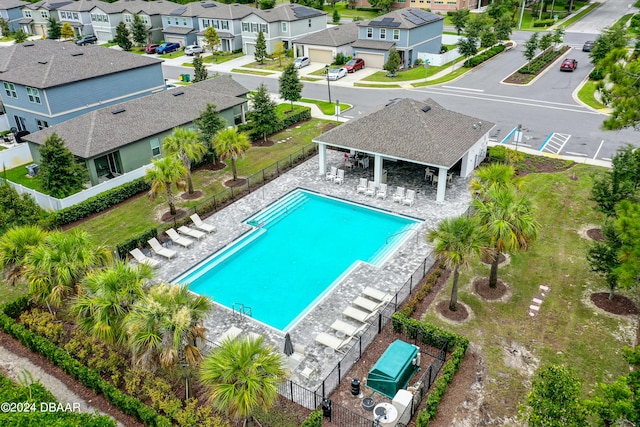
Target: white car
193, 49
336, 73
302, 61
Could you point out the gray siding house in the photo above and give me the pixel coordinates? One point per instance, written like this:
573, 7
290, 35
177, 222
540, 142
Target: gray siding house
35, 16
322, 46
180, 25
126, 136
105, 17
409, 30
227, 20
11, 11
77, 15
284, 23
47, 82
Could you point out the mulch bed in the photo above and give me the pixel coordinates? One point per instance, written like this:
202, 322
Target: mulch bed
329, 126
520, 78
459, 315
263, 143
196, 195
596, 234
167, 217
620, 304
235, 183
481, 287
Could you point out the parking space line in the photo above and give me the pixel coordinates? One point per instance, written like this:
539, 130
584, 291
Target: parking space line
545, 141
598, 151
576, 154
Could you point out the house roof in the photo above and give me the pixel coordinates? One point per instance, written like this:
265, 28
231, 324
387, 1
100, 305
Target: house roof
10, 4
406, 18
107, 129
25, 20
178, 30
47, 63
211, 9
288, 12
46, 4
403, 130
332, 36
79, 6
136, 6
373, 44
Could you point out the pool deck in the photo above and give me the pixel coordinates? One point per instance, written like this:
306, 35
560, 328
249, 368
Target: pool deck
391, 276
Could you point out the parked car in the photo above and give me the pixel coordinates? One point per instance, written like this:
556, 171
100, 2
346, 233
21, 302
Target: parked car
354, 64
336, 73
167, 47
302, 61
587, 46
88, 39
151, 48
192, 49
568, 64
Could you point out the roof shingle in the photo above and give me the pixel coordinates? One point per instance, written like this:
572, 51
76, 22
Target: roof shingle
332, 36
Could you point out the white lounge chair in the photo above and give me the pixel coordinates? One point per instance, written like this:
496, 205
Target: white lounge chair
143, 259
307, 372
176, 238
382, 192
371, 189
230, 334
332, 342
331, 175
368, 304
339, 179
299, 352
362, 186
376, 294
348, 329
398, 196
409, 198
201, 225
359, 315
160, 250
196, 234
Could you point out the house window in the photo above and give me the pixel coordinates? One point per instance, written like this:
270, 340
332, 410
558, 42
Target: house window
383, 33
44, 14
63, 15
264, 28
369, 33
224, 25
245, 27
11, 90
401, 1
42, 124
254, 27
205, 23
284, 27
27, 14
216, 24
75, 16
396, 34
184, 22
127, 19
21, 123
309, 23
34, 95
155, 147
145, 19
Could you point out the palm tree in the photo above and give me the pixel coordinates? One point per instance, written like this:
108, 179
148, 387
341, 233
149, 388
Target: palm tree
241, 376
229, 143
55, 267
508, 221
165, 327
165, 172
495, 175
187, 145
109, 296
456, 242
14, 246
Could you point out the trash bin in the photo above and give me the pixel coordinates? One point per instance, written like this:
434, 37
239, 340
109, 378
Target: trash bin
185, 77
384, 176
355, 386
326, 408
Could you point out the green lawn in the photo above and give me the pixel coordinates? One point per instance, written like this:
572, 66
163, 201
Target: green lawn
586, 95
412, 74
326, 107
19, 176
376, 85
351, 13
175, 54
271, 64
220, 58
256, 72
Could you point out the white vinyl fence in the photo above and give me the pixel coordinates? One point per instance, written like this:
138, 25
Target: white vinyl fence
15, 156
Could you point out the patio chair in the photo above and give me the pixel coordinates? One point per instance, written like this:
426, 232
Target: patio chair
176, 238
331, 175
230, 334
368, 304
299, 352
362, 186
339, 179
359, 315
382, 192
201, 225
307, 372
160, 250
371, 189
409, 198
332, 342
398, 196
143, 259
348, 329
376, 294
196, 234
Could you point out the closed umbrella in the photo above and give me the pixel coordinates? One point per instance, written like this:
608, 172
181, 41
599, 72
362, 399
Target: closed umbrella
288, 347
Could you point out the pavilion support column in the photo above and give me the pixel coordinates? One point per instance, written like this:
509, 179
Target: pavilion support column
377, 170
442, 184
242, 114
322, 159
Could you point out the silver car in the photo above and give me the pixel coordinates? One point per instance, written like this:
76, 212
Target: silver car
302, 61
193, 49
336, 73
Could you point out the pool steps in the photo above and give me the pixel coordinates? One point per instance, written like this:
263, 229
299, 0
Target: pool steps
274, 214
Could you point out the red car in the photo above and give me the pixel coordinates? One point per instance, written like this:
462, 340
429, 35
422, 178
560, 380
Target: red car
354, 64
151, 48
568, 65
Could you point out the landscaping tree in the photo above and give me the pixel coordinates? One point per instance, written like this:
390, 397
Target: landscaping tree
17, 209
267, 4
260, 53
554, 400
211, 39
186, 144
122, 37
209, 124
468, 47
603, 257
66, 32
456, 241
335, 18
504, 27
530, 49
4, 28
558, 35
54, 28
231, 144
263, 115
139, 31
279, 52
459, 19
60, 173
627, 229
200, 72
383, 5
20, 36
494, 176
393, 63
622, 182
15, 244
545, 41
242, 376
477, 25
488, 38
609, 39
622, 93
290, 85
165, 172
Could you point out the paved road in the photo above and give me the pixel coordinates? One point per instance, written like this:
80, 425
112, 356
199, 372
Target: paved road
604, 16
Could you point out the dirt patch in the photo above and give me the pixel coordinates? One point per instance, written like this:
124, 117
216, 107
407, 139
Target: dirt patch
540, 164
263, 143
235, 183
619, 305
196, 195
482, 288
460, 315
596, 234
211, 166
329, 126
167, 217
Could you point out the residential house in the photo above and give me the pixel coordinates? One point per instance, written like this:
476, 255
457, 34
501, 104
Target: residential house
105, 17
46, 82
433, 5
129, 135
284, 23
77, 14
411, 31
226, 19
323, 46
11, 11
35, 16
180, 25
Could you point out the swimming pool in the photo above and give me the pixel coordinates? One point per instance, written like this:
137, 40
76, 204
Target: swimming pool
300, 246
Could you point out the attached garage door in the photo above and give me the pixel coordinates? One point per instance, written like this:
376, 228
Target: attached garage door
103, 36
250, 49
174, 39
322, 56
372, 60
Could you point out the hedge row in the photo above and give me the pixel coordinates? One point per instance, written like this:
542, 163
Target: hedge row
88, 377
290, 119
139, 241
489, 53
314, 419
99, 202
544, 23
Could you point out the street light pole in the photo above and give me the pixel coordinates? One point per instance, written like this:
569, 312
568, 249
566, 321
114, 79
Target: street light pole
326, 69
521, 15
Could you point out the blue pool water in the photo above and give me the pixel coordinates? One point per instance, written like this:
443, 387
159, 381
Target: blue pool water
299, 247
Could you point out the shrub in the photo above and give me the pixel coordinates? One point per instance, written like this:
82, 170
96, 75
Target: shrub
313, 420
341, 59
481, 57
14, 308
287, 120
136, 242
544, 23
597, 74
43, 323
